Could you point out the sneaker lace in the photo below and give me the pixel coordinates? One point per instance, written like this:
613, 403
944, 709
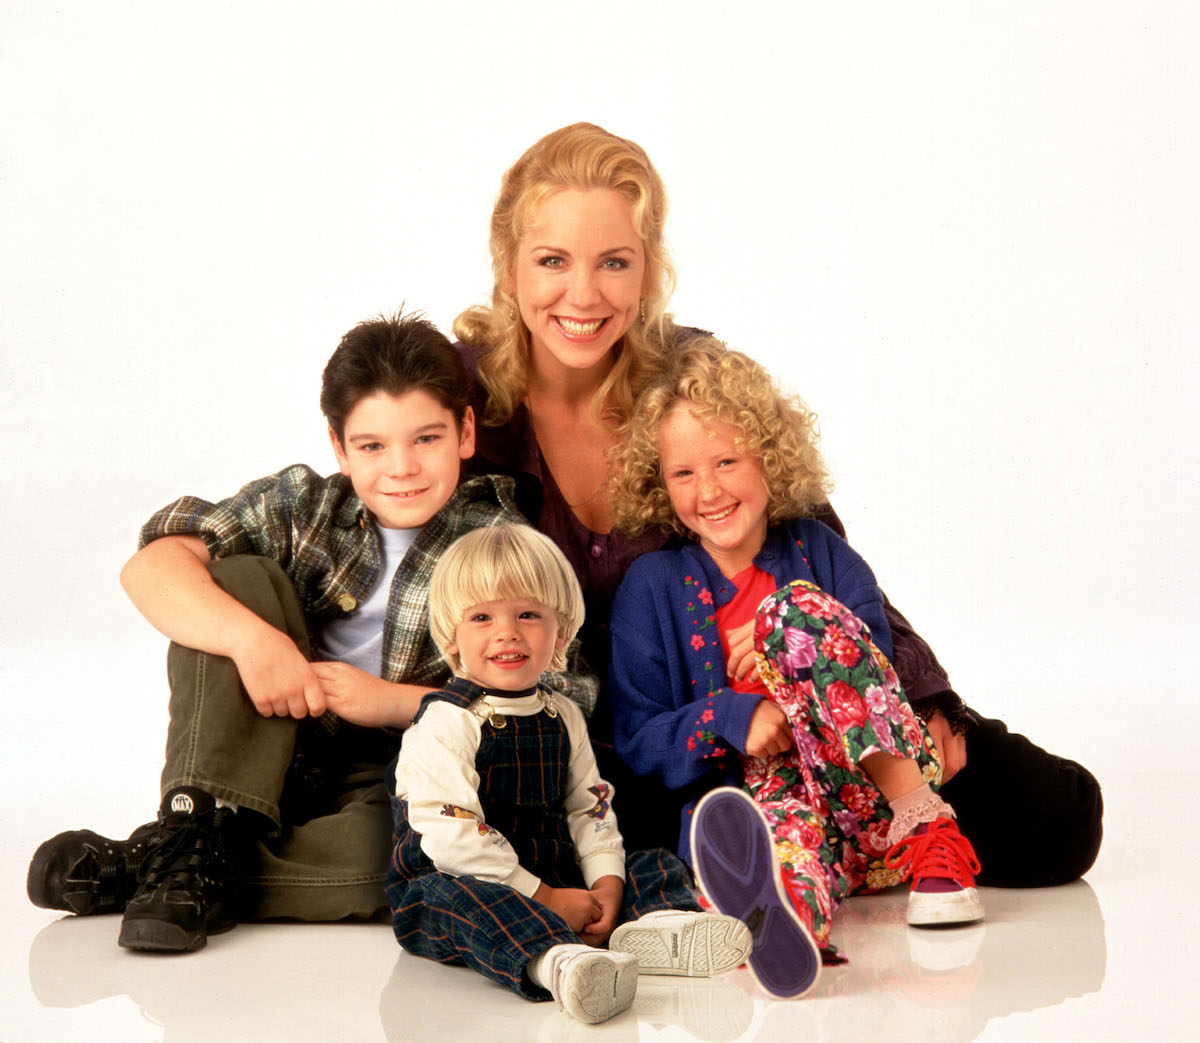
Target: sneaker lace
187, 846
941, 851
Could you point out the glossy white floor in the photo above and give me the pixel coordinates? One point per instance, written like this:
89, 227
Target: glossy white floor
1106, 958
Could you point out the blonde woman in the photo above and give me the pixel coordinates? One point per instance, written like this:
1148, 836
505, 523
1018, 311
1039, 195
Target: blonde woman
576, 327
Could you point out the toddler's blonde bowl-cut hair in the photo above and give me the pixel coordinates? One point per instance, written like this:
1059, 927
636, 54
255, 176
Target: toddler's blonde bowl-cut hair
717, 383
502, 561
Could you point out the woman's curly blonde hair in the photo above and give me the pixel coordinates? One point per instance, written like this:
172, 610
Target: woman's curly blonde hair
716, 383
581, 156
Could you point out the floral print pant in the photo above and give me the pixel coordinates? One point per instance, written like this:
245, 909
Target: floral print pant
844, 702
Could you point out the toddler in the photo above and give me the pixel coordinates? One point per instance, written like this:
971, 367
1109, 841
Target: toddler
507, 854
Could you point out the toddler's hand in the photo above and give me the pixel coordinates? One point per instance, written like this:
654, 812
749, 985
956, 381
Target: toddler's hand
574, 904
770, 733
608, 891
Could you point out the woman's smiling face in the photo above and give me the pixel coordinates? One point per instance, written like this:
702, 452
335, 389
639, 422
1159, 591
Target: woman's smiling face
579, 275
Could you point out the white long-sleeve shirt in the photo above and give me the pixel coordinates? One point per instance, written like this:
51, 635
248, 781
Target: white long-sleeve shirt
436, 775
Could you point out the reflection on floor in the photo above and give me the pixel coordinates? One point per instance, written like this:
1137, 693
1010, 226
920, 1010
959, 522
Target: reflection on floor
348, 981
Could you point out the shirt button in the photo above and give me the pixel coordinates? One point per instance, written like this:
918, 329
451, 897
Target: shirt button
347, 603
596, 550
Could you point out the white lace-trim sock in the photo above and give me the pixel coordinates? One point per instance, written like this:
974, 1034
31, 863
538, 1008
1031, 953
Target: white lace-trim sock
913, 809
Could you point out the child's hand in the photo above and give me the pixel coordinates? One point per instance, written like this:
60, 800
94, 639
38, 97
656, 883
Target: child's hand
608, 892
278, 679
770, 733
742, 665
364, 699
575, 905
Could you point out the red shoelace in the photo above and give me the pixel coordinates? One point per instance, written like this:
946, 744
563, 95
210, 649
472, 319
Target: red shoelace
941, 852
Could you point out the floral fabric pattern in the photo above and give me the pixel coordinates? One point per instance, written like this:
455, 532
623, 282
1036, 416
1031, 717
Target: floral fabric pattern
844, 702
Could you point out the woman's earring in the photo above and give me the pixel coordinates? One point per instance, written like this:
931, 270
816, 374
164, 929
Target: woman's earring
643, 311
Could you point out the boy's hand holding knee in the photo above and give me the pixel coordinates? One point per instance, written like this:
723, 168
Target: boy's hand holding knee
769, 733
278, 679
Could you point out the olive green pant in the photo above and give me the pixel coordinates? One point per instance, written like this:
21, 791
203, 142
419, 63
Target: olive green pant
321, 814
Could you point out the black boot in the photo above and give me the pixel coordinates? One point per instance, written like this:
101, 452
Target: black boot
189, 881
82, 872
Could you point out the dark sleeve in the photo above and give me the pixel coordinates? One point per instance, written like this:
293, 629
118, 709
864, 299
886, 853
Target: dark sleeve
662, 724
924, 680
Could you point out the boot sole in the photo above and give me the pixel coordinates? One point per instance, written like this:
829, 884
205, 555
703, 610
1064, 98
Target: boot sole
151, 935
44, 896
160, 936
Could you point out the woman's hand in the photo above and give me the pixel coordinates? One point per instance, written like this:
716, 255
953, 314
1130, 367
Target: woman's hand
742, 665
770, 731
608, 892
952, 748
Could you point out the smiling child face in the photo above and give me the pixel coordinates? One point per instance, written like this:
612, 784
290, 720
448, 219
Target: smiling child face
506, 644
403, 454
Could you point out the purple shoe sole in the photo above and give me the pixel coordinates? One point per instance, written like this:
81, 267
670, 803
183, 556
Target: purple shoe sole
734, 859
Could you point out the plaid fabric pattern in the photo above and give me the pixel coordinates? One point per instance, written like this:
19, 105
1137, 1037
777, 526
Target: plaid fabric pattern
489, 926
320, 532
522, 785
522, 771
495, 930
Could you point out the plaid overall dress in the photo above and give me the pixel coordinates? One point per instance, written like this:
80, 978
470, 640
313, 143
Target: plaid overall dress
491, 926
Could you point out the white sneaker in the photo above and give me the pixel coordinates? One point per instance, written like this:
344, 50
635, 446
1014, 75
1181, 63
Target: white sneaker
591, 985
691, 944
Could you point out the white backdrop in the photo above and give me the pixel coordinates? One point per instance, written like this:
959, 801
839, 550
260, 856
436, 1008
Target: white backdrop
968, 234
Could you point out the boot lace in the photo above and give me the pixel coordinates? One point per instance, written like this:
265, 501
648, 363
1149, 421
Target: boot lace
188, 846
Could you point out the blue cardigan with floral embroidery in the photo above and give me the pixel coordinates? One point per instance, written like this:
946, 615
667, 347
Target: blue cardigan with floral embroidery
674, 713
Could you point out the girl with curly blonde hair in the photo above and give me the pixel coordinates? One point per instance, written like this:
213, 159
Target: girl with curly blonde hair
752, 665
777, 429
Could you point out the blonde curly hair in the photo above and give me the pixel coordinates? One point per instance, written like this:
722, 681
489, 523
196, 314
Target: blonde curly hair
719, 384
581, 156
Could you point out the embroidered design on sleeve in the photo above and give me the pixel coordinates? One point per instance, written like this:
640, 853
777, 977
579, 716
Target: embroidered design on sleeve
600, 809
454, 811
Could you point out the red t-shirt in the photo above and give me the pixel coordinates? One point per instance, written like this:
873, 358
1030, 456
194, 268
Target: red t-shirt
753, 584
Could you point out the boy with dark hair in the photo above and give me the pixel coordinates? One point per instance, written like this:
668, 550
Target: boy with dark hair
297, 611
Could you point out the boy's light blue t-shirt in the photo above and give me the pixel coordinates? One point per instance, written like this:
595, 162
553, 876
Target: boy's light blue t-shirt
358, 639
